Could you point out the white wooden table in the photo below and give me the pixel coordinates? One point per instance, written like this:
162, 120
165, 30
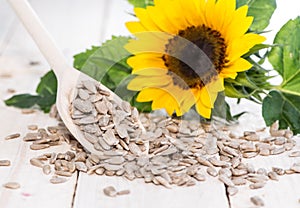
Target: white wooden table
76, 25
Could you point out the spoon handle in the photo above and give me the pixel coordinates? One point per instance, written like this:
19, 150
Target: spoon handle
41, 36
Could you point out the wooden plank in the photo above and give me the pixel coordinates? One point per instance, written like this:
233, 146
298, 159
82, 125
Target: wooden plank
7, 20
75, 33
36, 190
276, 194
89, 193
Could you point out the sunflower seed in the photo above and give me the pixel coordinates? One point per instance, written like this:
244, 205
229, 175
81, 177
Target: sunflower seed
230, 151
249, 154
109, 137
122, 130
118, 160
36, 162
84, 106
81, 166
295, 168
231, 190
46, 169
112, 167
12, 185
273, 176
226, 180
218, 163
238, 181
257, 201
239, 172
110, 191
280, 140
84, 95
4, 162
279, 171
264, 152
163, 181
63, 173
199, 177
27, 111
12, 136
57, 180
134, 148
212, 171
277, 151
123, 192
204, 161
39, 146
257, 185
294, 154
89, 85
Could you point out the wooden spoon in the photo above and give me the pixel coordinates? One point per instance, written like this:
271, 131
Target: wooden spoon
67, 76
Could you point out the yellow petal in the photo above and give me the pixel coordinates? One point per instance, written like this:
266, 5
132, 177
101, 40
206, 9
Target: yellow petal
237, 66
149, 94
190, 12
161, 20
242, 45
146, 60
140, 82
203, 110
151, 72
200, 6
167, 102
238, 25
145, 20
209, 93
174, 13
135, 27
148, 42
224, 10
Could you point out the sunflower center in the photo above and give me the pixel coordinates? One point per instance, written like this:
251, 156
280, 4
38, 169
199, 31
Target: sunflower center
195, 56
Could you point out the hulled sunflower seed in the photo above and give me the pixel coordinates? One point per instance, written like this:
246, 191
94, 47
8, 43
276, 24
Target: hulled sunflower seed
57, 180
294, 154
46, 169
257, 201
257, 185
36, 162
123, 192
231, 190
4, 162
12, 185
212, 171
110, 191
12, 136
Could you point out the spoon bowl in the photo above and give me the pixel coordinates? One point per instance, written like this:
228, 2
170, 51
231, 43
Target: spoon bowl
68, 79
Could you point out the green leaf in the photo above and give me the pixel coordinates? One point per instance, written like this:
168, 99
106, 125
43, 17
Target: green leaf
282, 107
285, 58
141, 3
80, 59
261, 10
45, 98
221, 110
107, 63
48, 84
234, 91
255, 49
22, 100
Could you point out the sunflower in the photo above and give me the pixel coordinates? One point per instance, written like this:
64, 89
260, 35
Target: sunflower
183, 50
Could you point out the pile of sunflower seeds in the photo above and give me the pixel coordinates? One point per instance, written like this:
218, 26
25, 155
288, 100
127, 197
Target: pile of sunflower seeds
181, 152
108, 124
